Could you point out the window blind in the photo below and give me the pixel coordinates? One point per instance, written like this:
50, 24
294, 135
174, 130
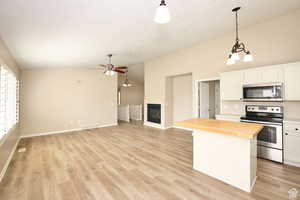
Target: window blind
9, 100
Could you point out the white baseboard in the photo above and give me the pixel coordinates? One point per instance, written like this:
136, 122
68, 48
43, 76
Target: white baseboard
3, 171
179, 127
295, 164
154, 125
68, 130
254, 181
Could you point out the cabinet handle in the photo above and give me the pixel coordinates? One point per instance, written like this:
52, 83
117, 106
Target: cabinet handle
296, 129
286, 133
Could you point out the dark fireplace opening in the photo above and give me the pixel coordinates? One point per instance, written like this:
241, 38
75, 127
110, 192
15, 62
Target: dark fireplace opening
154, 113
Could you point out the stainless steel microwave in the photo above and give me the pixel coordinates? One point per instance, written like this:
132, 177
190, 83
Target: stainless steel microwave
263, 92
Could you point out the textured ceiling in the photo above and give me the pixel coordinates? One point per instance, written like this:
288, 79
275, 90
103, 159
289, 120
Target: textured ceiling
78, 33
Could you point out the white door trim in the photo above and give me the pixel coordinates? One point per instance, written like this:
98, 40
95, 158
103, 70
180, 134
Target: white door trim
198, 90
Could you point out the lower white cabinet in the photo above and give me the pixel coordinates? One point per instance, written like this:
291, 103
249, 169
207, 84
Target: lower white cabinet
291, 146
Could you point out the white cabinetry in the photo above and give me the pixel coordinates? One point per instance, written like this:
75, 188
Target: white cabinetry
264, 75
231, 85
252, 76
288, 74
292, 81
273, 74
292, 143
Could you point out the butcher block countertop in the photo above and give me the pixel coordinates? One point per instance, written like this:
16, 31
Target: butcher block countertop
241, 129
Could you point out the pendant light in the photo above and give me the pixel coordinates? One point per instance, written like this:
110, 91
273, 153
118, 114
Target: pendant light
162, 15
126, 82
238, 47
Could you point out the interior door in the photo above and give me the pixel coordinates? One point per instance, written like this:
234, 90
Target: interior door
204, 99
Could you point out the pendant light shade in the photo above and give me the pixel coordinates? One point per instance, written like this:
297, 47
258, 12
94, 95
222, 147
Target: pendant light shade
238, 47
230, 60
248, 57
235, 56
162, 15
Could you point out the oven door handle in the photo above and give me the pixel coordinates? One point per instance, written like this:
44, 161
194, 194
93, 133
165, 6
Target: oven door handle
259, 122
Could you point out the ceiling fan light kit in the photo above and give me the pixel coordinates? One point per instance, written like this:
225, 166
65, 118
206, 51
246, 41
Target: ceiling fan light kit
238, 47
111, 70
162, 15
109, 73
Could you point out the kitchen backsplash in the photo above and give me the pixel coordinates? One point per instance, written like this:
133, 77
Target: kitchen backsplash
291, 109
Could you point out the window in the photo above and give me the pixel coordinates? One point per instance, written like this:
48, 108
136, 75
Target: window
9, 100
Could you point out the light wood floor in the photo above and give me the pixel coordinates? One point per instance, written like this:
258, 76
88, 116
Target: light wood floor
127, 162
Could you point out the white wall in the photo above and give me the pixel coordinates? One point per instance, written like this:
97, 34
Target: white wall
63, 99
182, 98
271, 42
131, 95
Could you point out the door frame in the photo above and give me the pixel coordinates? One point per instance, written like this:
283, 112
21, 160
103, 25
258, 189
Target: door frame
198, 93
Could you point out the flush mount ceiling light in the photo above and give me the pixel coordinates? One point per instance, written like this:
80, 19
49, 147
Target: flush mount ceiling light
238, 47
126, 82
162, 15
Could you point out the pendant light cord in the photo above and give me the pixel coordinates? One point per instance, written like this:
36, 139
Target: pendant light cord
236, 26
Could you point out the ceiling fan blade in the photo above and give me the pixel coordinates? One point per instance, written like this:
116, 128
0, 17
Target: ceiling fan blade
119, 71
120, 67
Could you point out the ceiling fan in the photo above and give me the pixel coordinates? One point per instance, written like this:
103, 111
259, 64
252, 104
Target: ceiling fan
110, 69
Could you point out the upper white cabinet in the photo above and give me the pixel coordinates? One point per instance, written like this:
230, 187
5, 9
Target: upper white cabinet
252, 76
272, 74
264, 75
231, 85
292, 81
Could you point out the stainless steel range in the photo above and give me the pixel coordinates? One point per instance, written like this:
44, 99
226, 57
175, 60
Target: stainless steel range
269, 140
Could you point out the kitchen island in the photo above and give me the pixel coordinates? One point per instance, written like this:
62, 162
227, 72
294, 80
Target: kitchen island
225, 150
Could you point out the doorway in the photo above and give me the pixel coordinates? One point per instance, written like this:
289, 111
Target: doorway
208, 98
179, 99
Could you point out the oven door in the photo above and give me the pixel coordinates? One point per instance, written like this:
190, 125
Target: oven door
270, 135
263, 92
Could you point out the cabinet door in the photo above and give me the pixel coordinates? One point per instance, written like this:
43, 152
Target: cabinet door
292, 81
252, 76
263, 75
231, 85
292, 148
269, 75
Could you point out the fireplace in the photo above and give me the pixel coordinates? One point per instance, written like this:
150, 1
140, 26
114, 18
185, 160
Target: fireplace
154, 113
